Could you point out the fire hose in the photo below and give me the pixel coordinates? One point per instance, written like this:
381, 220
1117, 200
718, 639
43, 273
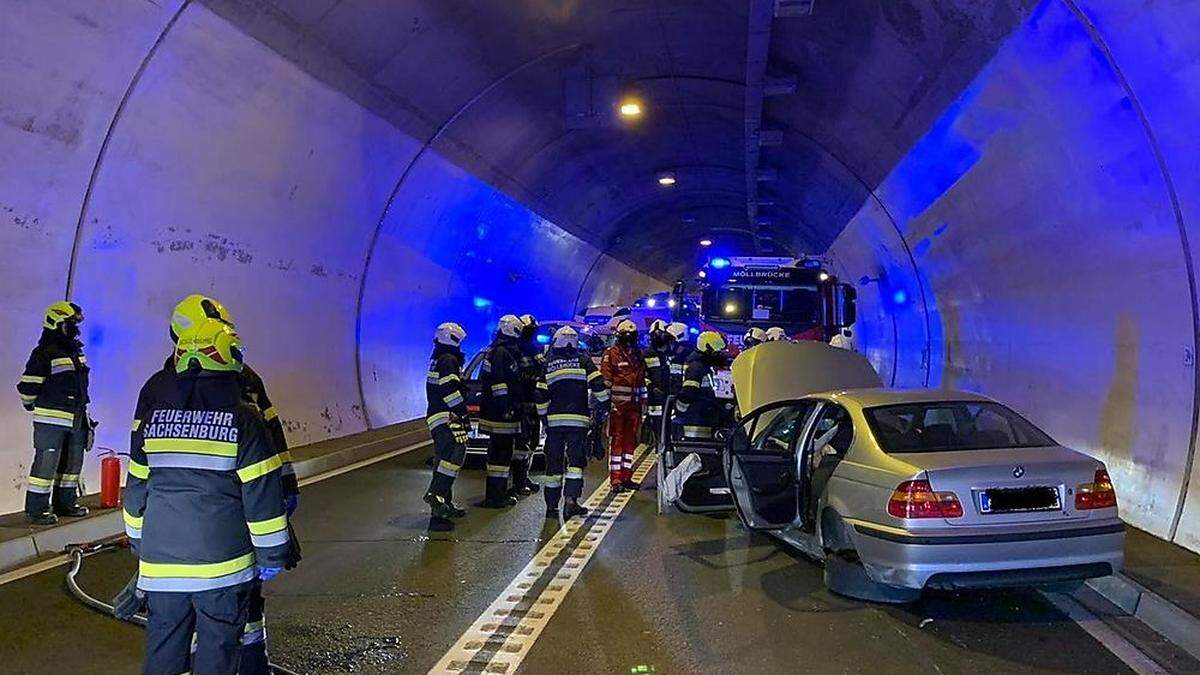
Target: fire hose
78, 552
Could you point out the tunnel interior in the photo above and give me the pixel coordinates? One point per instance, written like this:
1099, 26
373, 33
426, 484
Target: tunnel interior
1012, 187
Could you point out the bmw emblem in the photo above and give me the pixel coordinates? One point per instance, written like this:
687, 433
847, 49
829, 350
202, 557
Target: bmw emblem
1018, 471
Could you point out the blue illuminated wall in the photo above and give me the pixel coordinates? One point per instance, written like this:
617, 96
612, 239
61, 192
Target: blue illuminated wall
1036, 230
454, 249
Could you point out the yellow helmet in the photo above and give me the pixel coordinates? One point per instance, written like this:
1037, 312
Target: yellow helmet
211, 345
710, 341
60, 313
194, 310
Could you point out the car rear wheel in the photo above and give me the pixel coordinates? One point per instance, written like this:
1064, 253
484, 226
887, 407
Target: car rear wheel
844, 571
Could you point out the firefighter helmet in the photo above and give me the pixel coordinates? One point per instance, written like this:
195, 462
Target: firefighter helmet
510, 325
529, 320
60, 313
677, 330
626, 327
566, 337
754, 336
658, 326
710, 341
776, 334
450, 333
209, 345
194, 310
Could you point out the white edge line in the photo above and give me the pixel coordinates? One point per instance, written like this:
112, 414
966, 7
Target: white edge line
1113, 641
50, 563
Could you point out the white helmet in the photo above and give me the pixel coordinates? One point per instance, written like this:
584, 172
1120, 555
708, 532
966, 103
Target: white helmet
658, 325
626, 327
565, 337
776, 334
754, 336
528, 320
510, 325
677, 330
449, 333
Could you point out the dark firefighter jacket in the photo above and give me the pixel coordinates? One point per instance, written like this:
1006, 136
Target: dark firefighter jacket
698, 408
254, 392
680, 352
204, 494
501, 388
563, 395
658, 379
445, 390
54, 386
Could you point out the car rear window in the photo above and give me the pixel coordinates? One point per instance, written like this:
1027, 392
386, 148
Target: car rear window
946, 426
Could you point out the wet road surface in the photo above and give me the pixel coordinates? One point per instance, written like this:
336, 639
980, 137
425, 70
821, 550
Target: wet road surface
680, 593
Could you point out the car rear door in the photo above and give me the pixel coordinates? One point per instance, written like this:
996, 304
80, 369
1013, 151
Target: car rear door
760, 464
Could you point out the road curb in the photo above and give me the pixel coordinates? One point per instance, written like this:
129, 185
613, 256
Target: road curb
23, 550
1163, 616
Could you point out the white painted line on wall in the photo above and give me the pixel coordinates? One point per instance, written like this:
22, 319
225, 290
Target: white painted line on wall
502, 636
360, 464
1113, 641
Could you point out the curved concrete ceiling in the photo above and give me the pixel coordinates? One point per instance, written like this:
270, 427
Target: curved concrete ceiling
870, 77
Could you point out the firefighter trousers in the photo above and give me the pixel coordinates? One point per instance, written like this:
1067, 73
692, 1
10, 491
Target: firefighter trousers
499, 461
623, 424
565, 460
57, 460
218, 619
449, 455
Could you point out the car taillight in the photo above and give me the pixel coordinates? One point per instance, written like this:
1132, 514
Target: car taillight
1098, 494
916, 499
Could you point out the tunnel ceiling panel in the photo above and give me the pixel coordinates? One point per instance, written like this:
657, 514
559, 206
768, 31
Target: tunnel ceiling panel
499, 77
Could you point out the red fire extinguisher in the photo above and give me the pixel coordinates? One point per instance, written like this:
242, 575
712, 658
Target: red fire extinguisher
110, 479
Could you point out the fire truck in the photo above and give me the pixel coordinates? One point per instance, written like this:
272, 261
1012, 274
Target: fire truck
801, 295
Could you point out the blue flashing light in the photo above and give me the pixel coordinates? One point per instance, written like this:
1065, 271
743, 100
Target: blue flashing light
900, 297
719, 263
543, 339
482, 303
694, 331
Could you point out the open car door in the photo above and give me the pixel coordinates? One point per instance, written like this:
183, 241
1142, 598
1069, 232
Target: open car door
761, 467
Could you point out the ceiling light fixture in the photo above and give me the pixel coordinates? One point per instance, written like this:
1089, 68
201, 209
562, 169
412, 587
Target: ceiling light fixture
706, 242
666, 178
630, 109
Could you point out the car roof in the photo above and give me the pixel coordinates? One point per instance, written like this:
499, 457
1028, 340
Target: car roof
870, 398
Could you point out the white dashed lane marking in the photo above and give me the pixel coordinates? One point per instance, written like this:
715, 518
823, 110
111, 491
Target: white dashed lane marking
501, 637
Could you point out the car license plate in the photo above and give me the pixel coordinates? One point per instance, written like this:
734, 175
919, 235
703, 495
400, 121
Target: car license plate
1019, 500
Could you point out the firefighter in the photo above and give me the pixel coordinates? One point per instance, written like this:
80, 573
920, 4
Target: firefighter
624, 372
679, 353
776, 334
500, 408
446, 416
204, 505
195, 308
658, 376
698, 408
753, 337
192, 311
531, 368
54, 387
563, 401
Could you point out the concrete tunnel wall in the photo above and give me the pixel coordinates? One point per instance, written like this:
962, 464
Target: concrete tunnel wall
228, 170
1037, 245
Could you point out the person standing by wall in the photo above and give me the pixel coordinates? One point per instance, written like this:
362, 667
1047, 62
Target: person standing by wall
54, 387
